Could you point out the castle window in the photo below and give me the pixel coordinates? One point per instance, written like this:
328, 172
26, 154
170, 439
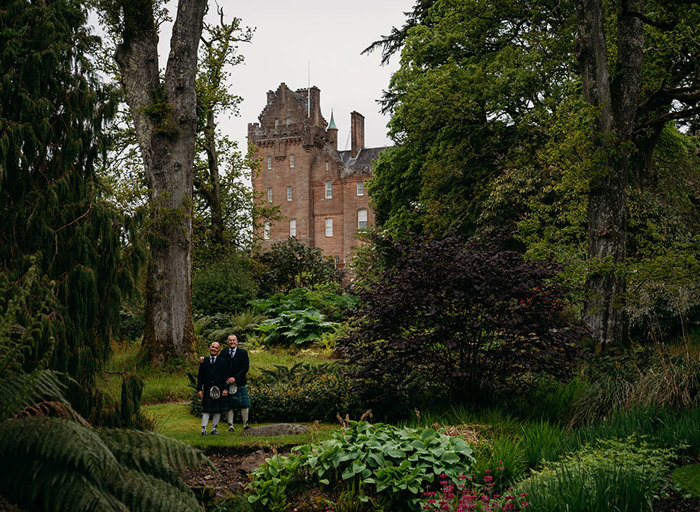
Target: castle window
360, 189
293, 227
289, 121
289, 193
277, 122
329, 227
269, 194
329, 190
266, 231
291, 160
328, 166
269, 162
362, 219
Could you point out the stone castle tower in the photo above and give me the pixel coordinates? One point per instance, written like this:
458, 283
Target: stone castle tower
321, 191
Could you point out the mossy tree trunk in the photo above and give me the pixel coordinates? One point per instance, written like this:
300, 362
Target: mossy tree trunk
164, 113
615, 94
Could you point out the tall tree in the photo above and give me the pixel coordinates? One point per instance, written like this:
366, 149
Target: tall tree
163, 109
52, 114
214, 98
488, 89
223, 203
474, 76
635, 93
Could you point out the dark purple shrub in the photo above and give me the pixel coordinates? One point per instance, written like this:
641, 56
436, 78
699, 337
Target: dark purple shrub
453, 320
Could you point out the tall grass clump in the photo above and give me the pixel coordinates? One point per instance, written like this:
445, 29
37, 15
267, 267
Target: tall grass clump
668, 427
505, 454
607, 475
542, 442
552, 400
638, 380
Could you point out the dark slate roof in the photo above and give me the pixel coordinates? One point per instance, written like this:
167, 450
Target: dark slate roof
362, 164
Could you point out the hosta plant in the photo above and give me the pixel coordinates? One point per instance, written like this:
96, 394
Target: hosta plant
297, 327
389, 465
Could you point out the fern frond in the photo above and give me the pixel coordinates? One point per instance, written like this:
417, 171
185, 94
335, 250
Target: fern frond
56, 465
71, 492
54, 409
20, 390
57, 441
152, 453
145, 493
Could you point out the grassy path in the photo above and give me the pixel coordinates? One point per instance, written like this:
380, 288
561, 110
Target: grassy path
174, 420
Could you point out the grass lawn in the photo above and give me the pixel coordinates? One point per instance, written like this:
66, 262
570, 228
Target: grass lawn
171, 383
174, 420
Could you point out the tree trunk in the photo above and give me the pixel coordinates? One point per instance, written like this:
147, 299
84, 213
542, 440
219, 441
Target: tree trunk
214, 199
165, 119
616, 99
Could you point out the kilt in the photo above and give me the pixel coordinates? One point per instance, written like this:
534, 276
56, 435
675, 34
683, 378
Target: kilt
210, 405
240, 399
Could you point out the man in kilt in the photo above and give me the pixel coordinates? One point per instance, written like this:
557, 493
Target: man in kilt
211, 387
238, 362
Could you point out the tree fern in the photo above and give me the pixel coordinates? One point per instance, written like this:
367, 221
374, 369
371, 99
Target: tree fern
142, 492
152, 453
24, 389
54, 464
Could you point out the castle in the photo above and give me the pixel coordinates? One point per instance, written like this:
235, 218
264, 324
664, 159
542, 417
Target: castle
321, 191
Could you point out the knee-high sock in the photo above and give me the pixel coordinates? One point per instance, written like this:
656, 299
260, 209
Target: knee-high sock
205, 419
244, 414
215, 419
229, 416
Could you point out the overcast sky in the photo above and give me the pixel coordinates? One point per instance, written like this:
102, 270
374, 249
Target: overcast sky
328, 35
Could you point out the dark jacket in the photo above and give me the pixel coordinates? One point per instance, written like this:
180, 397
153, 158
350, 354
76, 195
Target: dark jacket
238, 365
212, 374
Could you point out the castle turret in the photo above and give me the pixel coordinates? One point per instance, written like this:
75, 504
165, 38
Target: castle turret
332, 133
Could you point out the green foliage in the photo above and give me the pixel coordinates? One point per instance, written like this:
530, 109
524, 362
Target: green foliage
541, 442
325, 298
224, 287
641, 379
466, 102
299, 316
219, 326
223, 202
389, 463
84, 469
292, 264
504, 453
51, 459
668, 427
317, 394
52, 113
296, 327
131, 325
300, 373
552, 401
688, 478
608, 475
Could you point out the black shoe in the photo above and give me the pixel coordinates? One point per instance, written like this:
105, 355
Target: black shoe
204, 432
230, 427
246, 426
214, 432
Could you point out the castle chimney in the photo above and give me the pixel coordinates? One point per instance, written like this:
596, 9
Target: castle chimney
357, 133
